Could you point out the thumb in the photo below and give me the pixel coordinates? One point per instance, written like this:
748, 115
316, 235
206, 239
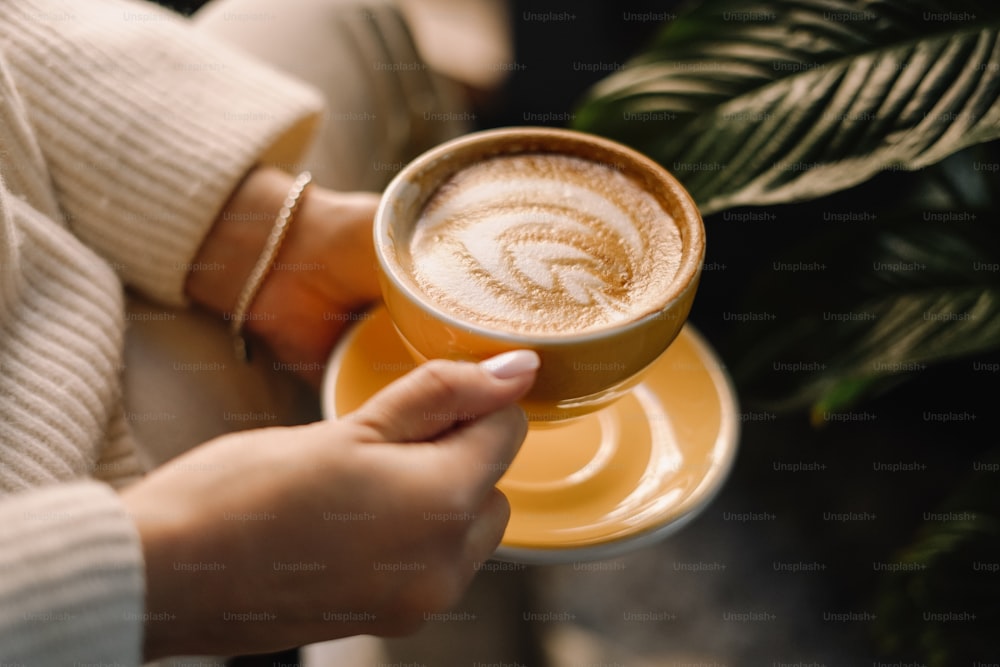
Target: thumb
439, 394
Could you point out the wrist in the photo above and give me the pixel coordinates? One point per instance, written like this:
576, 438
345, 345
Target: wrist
327, 265
266, 262
236, 239
165, 619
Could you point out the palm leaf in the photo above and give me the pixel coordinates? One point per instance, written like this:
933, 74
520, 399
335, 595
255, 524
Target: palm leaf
891, 300
807, 100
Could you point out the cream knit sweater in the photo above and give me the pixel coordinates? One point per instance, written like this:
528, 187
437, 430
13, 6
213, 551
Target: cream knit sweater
122, 132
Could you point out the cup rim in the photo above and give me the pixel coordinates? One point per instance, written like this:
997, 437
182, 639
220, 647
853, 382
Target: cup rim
690, 224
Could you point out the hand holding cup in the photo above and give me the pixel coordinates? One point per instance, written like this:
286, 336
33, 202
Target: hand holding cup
574, 246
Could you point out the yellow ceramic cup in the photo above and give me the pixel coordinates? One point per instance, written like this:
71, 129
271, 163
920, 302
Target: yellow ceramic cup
580, 372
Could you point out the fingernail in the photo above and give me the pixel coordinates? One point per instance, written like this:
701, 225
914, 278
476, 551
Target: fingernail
511, 364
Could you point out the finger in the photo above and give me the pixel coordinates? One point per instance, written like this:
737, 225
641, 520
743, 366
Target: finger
479, 452
486, 532
432, 399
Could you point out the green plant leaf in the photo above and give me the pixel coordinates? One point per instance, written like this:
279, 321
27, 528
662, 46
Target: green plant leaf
870, 309
753, 103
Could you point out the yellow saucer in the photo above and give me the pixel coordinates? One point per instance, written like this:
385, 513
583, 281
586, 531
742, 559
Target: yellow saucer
598, 486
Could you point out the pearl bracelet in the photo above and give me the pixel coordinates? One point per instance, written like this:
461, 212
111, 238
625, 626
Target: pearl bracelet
265, 263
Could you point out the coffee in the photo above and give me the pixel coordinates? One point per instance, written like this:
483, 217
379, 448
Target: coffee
561, 242
544, 243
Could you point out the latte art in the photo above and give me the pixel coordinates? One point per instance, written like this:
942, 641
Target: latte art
540, 243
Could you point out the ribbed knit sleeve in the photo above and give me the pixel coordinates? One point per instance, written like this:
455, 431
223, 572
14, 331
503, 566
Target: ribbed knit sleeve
146, 126
73, 582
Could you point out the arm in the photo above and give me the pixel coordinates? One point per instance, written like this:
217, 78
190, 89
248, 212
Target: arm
146, 126
153, 135
323, 272
71, 589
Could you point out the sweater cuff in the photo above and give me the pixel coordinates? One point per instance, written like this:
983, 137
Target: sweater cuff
72, 587
147, 126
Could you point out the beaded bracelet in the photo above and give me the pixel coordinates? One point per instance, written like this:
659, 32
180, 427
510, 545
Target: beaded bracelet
265, 263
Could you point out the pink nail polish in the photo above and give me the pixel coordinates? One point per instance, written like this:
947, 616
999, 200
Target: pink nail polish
511, 364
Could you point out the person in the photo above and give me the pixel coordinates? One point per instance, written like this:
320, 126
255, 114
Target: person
136, 152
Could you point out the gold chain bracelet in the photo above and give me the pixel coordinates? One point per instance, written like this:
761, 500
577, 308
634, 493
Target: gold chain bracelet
265, 263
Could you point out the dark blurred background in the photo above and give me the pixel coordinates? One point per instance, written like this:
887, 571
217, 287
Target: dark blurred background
547, 49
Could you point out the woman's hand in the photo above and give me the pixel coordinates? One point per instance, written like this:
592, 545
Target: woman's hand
323, 275
267, 539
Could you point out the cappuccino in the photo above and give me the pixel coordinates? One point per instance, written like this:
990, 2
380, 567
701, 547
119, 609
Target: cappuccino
544, 243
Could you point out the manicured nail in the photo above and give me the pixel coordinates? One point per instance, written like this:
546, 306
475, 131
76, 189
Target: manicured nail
511, 364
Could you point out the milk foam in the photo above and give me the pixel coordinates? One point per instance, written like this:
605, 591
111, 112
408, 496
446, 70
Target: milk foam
544, 244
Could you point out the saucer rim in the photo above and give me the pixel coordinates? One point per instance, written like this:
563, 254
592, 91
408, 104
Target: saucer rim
726, 446
726, 443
